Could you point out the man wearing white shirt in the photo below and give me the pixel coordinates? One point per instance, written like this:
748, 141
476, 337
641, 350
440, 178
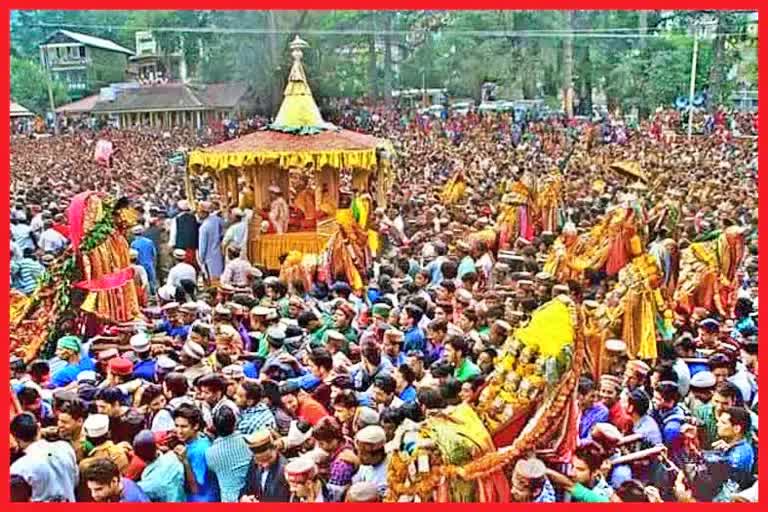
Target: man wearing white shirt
49, 470
181, 271
51, 240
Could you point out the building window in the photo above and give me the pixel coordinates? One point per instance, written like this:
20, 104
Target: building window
82, 52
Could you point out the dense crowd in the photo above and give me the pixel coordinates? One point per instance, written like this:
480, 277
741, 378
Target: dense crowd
240, 386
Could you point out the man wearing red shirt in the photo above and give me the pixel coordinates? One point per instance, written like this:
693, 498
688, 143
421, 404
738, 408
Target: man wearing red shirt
301, 405
610, 387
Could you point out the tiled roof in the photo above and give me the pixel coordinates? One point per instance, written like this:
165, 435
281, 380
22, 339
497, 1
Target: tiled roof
96, 42
175, 96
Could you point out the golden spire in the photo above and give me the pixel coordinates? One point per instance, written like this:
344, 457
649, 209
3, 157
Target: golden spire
298, 111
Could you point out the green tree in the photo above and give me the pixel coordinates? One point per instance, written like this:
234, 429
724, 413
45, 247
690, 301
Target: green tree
29, 86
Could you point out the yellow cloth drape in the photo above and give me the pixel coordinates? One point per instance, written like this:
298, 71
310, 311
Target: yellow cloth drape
267, 249
200, 161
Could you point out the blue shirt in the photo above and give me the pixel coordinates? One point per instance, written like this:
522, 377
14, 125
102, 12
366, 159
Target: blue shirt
163, 479
68, 374
252, 369
307, 382
180, 331
207, 487
144, 369
741, 460
414, 340
408, 394
397, 361
132, 493
146, 249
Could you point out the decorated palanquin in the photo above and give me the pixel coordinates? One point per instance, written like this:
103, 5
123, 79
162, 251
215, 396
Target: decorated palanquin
529, 404
299, 140
708, 273
454, 190
635, 309
515, 219
96, 264
608, 246
549, 191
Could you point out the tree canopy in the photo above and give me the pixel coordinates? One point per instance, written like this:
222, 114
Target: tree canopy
626, 58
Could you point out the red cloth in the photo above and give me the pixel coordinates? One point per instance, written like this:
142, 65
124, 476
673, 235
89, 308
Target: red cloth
619, 418
311, 411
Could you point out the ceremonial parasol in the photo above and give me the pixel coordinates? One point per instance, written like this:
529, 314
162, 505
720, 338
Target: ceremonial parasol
631, 169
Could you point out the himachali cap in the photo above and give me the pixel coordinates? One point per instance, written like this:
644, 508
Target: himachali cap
233, 371
272, 315
171, 306
368, 417
87, 376
260, 311
703, 380
372, 435
610, 380
333, 334
531, 469
295, 301
120, 366
276, 333
504, 326
638, 367
166, 363
394, 334
106, 355
347, 309
561, 289
464, 296
710, 325
363, 492
226, 289
260, 440
69, 343
300, 470
189, 307
616, 346
96, 425
139, 342
193, 350
543, 276
166, 292
381, 310
179, 254
222, 310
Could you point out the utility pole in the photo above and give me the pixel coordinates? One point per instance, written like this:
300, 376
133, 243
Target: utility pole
53, 104
694, 59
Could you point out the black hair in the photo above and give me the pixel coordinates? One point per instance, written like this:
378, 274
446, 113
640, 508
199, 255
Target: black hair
586, 386
407, 373
101, 470
668, 391
449, 390
386, 383
430, 398
739, 416
459, 344
632, 491
214, 382
639, 401
346, 399
592, 454
224, 421
253, 390
177, 384
393, 415
321, 358
190, 413
24, 427
27, 395
109, 395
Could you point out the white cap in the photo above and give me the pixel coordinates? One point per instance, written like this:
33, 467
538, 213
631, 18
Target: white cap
193, 350
87, 375
140, 342
96, 425
167, 292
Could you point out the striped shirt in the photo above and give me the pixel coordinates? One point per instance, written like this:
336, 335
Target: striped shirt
229, 458
24, 275
256, 418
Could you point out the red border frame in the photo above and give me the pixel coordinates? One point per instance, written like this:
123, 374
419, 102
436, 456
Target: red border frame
369, 4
